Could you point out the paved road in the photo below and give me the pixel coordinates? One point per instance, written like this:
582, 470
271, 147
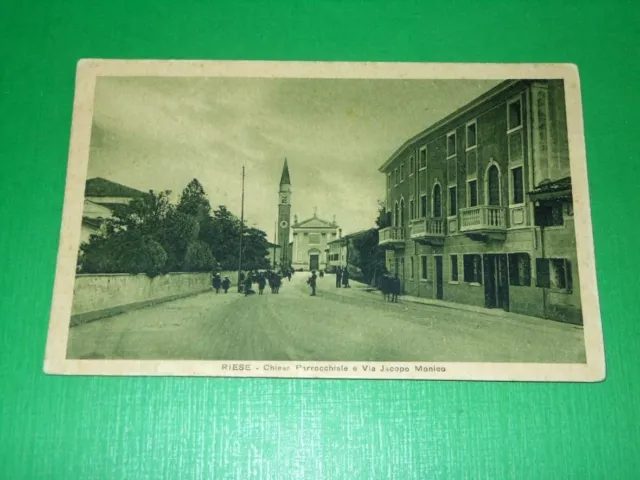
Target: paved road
338, 325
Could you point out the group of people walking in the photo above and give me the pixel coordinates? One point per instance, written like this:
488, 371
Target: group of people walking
219, 283
342, 277
248, 279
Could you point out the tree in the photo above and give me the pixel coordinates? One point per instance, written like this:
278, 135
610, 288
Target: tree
383, 220
255, 248
367, 255
193, 201
198, 257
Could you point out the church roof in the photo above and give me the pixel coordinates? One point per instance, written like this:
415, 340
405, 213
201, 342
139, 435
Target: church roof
101, 187
315, 222
285, 179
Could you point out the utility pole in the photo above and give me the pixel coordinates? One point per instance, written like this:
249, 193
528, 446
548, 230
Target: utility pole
275, 239
241, 233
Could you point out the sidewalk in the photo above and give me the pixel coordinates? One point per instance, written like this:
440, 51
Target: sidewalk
363, 288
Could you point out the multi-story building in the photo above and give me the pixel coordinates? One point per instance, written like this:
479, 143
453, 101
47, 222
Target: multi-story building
479, 205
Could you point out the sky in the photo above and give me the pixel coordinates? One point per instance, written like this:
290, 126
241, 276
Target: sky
159, 133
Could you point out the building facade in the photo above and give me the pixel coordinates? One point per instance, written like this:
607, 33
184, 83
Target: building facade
311, 238
479, 205
101, 196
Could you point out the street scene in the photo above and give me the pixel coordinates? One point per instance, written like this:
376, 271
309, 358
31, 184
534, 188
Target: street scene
354, 324
328, 220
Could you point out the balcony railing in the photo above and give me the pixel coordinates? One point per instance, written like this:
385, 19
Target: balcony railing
427, 228
483, 218
391, 235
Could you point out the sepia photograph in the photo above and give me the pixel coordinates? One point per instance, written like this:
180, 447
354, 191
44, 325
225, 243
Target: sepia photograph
327, 220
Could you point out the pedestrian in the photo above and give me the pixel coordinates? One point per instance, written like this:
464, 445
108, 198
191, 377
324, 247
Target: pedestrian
226, 283
248, 283
312, 283
277, 282
338, 277
396, 288
289, 274
217, 282
261, 284
345, 278
321, 273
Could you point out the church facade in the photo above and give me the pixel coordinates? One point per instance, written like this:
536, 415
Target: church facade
311, 238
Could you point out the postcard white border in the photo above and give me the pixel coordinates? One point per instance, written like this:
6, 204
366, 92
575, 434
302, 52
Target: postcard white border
89, 69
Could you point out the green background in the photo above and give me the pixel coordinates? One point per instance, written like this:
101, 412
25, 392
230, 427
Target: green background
119, 428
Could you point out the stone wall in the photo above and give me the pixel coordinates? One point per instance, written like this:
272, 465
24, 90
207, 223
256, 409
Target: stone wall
101, 295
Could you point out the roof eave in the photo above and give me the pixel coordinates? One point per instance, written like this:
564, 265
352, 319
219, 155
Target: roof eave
501, 87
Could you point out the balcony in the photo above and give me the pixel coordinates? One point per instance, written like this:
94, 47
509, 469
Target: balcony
428, 230
392, 236
484, 222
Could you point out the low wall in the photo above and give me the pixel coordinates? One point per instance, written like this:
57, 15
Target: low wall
97, 296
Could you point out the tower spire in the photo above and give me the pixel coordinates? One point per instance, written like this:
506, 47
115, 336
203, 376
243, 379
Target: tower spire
285, 179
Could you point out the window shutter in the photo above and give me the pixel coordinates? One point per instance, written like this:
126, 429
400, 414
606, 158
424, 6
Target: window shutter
543, 279
569, 275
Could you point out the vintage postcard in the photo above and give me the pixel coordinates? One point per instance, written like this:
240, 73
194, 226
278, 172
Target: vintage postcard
327, 220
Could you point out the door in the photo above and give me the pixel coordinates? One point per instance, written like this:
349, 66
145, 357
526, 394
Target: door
496, 281
439, 278
313, 262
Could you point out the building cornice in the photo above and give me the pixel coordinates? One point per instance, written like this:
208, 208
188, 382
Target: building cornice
497, 90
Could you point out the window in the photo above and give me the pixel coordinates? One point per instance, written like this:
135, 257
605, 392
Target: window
454, 268
411, 268
423, 158
453, 201
423, 206
437, 201
472, 186
451, 144
402, 172
411, 212
395, 176
388, 181
412, 165
554, 273
314, 239
517, 185
549, 216
472, 268
402, 214
471, 135
519, 269
493, 185
423, 268
514, 115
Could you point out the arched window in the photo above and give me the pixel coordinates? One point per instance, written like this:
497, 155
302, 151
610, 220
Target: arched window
411, 212
437, 201
493, 185
396, 216
402, 213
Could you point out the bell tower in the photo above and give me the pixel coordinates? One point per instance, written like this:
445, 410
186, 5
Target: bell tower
284, 216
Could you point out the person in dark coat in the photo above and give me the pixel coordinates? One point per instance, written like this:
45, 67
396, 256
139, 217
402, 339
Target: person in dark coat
338, 277
289, 274
345, 278
396, 288
277, 281
321, 273
385, 287
261, 283
226, 283
248, 283
217, 283
312, 283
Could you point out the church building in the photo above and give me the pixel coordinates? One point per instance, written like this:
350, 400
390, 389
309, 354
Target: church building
308, 249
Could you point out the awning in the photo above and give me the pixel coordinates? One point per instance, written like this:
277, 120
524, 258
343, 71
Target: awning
552, 190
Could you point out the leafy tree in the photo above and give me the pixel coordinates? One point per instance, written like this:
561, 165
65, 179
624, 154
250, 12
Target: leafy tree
193, 201
198, 257
367, 255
